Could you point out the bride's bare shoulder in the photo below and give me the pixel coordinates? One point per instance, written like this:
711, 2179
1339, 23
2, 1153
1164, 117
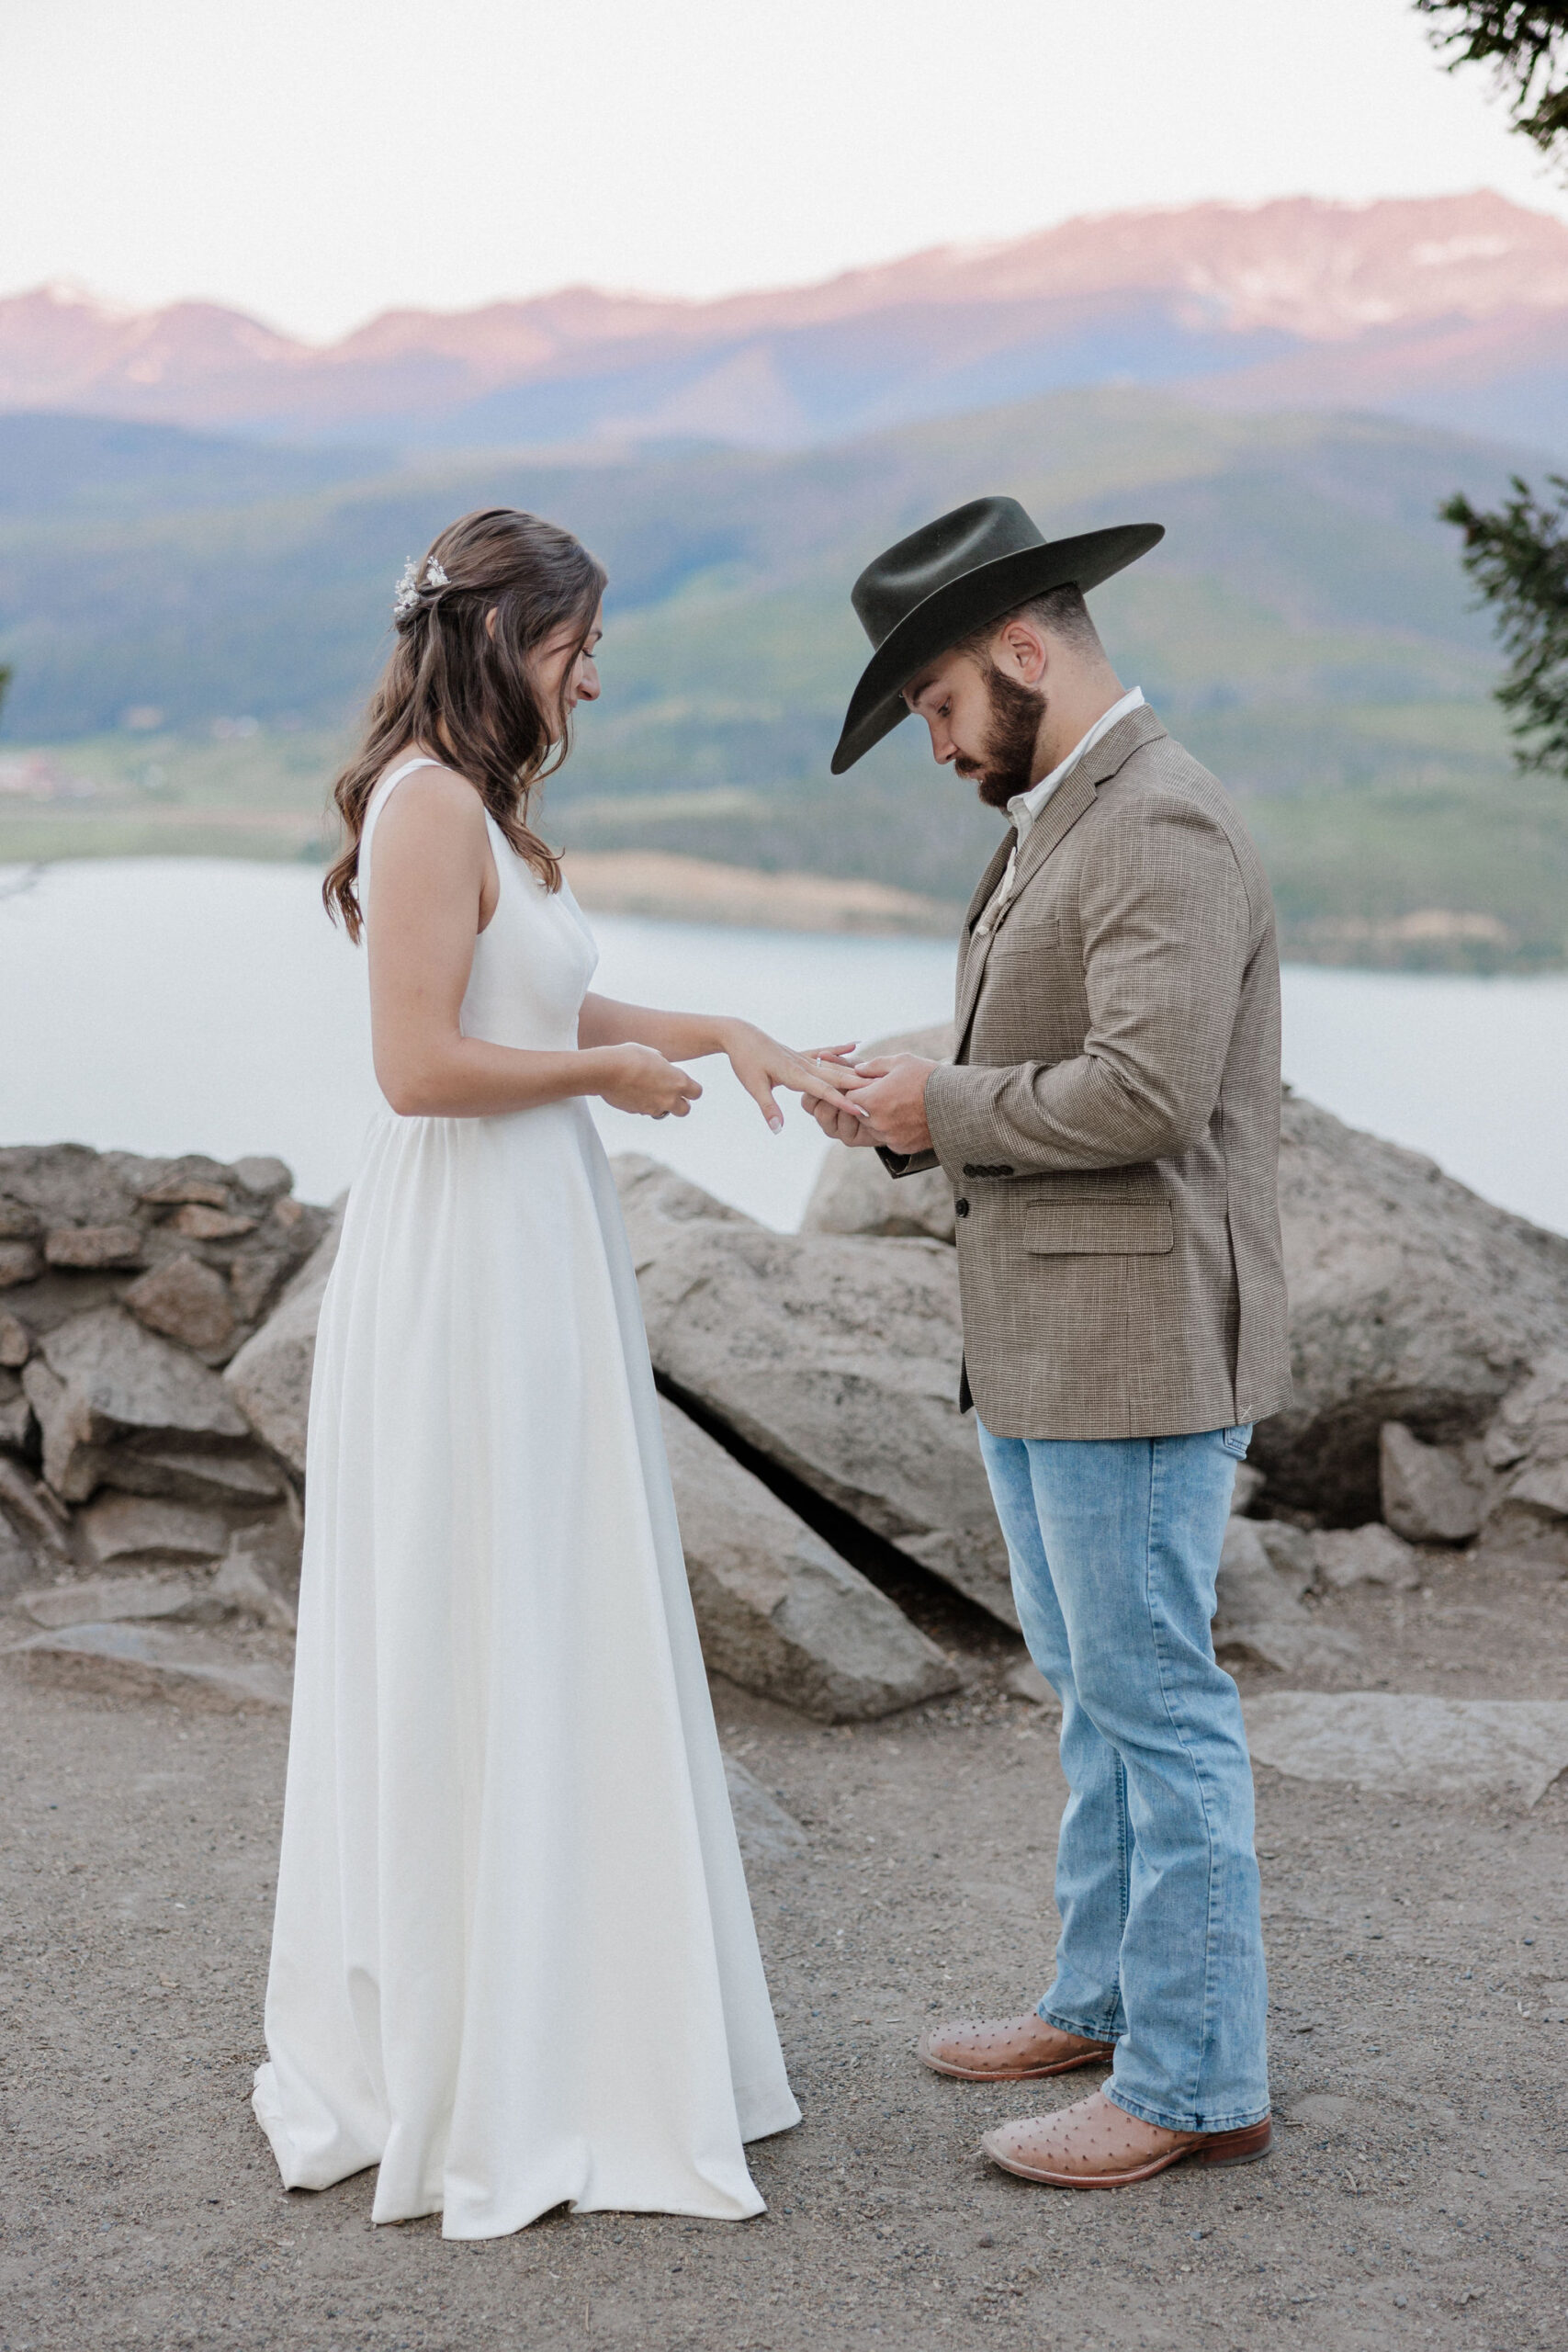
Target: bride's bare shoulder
433, 797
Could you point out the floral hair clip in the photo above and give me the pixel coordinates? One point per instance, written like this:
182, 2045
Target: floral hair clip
411, 585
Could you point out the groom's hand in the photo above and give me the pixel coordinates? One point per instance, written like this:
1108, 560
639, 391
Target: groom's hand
893, 1095
842, 1125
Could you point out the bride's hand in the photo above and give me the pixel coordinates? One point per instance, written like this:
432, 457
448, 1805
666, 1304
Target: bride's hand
638, 1079
760, 1063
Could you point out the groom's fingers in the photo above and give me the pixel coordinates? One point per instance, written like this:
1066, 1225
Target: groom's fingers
809, 1078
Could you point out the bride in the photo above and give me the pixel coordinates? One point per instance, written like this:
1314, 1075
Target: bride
513, 1961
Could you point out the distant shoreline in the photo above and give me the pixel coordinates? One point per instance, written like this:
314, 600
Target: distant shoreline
659, 884
670, 888
665, 887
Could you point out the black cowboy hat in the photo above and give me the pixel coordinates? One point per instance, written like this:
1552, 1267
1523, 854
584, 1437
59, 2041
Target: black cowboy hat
952, 576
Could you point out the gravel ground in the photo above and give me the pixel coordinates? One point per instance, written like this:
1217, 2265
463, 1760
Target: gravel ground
1415, 2197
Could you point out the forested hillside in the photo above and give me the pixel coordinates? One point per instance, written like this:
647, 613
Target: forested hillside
1304, 627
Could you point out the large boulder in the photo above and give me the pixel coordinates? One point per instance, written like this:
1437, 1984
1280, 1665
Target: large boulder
855, 1193
1386, 1739
121, 1659
1526, 1448
1430, 1493
100, 1380
778, 1612
1411, 1301
1259, 1617
1369, 1554
836, 1359
270, 1376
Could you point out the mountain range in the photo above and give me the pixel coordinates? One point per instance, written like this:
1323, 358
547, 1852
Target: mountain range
1449, 310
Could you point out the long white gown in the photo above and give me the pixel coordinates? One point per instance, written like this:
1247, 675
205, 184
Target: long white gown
513, 1960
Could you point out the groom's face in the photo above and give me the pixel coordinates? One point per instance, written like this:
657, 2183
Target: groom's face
984, 720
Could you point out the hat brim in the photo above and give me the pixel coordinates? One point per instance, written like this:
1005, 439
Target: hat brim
953, 611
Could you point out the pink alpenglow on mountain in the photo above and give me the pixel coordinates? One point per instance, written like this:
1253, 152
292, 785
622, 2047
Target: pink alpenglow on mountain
1453, 308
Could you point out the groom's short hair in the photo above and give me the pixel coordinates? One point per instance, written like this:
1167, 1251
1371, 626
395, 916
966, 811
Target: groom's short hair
1060, 612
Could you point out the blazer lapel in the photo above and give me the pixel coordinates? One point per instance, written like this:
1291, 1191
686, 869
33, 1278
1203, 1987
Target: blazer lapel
1076, 795
1071, 800
973, 949
1055, 822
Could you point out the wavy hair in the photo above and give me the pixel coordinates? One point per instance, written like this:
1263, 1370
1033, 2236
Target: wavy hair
463, 684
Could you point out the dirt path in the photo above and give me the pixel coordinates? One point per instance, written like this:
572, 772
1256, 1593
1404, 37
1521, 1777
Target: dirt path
1417, 2197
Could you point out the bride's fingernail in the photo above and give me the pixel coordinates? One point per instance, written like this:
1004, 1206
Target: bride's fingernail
775, 1123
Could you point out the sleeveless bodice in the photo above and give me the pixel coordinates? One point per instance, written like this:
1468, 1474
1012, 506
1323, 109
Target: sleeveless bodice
533, 960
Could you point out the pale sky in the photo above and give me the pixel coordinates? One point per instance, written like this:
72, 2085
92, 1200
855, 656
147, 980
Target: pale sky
316, 161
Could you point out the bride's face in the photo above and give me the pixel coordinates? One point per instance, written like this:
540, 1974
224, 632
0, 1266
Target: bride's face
564, 669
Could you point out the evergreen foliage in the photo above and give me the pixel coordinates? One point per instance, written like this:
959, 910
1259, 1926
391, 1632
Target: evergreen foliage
1525, 42
1517, 556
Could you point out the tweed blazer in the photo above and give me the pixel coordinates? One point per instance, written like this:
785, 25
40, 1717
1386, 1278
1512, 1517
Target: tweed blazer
1110, 1120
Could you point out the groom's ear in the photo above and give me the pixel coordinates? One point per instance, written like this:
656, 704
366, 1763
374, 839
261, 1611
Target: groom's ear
1022, 650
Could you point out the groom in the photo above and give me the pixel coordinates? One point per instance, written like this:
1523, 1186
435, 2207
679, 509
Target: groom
1110, 1126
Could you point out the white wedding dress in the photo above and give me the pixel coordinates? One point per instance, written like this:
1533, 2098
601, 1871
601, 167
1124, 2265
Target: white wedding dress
514, 1960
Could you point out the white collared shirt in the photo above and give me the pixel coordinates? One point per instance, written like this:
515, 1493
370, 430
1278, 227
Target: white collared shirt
1025, 807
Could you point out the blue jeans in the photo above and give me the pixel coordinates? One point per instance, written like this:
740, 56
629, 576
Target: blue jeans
1115, 1545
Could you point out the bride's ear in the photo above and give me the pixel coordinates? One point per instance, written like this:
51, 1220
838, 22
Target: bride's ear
489, 622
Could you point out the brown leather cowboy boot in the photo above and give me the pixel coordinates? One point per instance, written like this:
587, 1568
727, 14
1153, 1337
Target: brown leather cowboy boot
1096, 2145
1009, 2050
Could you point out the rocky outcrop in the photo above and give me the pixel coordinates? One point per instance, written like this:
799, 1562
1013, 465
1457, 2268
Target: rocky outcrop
777, 1610
1259, 1620
1430, 1493
855, 1194
765, 1831
123, 1455
836, 1359
1526, 1449
1369, 1554
270, 1377
101, 1384
192, 1667
1386, 1739
198, 1248
1411, 1301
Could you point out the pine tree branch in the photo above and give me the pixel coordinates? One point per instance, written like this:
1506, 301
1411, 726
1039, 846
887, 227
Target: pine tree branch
1517, 557
1525, 42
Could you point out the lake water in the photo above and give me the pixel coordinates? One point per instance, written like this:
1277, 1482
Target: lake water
167, 1005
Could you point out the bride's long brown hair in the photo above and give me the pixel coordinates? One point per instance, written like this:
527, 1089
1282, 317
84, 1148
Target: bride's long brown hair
463, 684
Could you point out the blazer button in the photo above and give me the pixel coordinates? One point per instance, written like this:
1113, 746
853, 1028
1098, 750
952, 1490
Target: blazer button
960, 1208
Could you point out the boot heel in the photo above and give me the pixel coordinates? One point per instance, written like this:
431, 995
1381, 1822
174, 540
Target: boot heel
1245, 2147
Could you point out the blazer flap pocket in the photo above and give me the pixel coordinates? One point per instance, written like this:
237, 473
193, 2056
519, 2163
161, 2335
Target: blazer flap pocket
1102, 1227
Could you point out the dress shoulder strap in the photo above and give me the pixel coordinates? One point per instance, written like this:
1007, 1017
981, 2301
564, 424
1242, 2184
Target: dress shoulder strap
378, 801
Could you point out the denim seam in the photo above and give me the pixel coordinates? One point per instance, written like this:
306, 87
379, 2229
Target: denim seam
1206, 2034
1087, 2029
1124, 1867
1169, 2122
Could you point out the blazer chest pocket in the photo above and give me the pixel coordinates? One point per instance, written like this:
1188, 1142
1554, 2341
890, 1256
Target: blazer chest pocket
1017, 935
1097, 1227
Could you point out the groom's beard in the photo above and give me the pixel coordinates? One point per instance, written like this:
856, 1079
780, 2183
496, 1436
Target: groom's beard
1008, 764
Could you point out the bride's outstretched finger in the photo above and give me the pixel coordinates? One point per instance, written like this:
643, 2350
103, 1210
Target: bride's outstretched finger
760, 1064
